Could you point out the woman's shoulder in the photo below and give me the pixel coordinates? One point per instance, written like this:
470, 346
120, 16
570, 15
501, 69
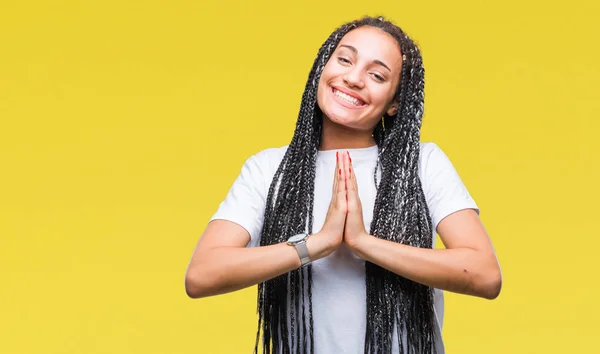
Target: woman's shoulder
427, 148
432, 159
267, 160
431, 152
270, 155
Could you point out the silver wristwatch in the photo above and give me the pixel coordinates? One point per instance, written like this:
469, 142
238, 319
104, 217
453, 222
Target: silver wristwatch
299, 241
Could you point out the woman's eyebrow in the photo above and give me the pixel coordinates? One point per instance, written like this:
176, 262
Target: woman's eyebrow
376, 61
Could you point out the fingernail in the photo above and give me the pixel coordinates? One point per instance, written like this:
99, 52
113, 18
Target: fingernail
336, 156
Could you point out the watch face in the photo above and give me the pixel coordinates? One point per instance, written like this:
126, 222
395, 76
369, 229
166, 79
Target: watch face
297, 238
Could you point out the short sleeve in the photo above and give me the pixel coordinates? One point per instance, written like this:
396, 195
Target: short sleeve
443, 187
245, 202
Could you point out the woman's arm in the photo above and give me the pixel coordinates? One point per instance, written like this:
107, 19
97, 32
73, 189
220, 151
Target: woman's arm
221, 263
468, 266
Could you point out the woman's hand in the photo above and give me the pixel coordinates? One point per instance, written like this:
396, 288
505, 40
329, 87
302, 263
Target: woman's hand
331, 235
354, 230
468, 265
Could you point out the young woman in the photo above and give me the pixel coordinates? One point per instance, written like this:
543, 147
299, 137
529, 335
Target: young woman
338, 228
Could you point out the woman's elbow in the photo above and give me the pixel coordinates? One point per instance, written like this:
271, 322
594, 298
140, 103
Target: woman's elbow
197, 285
492, 285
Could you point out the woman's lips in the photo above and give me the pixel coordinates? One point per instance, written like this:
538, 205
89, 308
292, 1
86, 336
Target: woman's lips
347, 99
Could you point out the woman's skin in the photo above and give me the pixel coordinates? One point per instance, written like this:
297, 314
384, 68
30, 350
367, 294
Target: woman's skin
366, 68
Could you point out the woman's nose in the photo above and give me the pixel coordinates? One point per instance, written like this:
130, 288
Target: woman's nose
353, 78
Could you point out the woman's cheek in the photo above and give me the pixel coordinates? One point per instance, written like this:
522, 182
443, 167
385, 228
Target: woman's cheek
382, 96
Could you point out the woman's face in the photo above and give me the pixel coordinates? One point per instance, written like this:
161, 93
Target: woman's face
359, 81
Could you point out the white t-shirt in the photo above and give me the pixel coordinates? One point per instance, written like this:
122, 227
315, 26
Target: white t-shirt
338, 292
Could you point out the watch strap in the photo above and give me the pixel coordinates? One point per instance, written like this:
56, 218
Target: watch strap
303, 253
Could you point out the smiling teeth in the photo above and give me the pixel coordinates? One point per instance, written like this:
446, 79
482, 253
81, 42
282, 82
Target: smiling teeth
347, 98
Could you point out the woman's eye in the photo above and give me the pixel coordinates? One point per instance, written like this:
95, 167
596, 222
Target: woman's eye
343, 60
378, 77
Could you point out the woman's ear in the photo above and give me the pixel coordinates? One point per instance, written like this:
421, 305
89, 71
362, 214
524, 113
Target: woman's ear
393, 109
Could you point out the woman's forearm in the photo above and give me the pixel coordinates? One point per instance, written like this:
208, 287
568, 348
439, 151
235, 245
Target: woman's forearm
225, 269
461, 270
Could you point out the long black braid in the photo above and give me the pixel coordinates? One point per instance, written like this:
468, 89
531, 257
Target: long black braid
400, 214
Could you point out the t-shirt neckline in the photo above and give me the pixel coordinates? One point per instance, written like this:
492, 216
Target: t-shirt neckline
357, 154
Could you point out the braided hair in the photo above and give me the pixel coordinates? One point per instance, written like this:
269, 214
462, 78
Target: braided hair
400, 214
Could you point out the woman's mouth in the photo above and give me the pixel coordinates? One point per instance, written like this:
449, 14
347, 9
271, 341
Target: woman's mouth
347, 100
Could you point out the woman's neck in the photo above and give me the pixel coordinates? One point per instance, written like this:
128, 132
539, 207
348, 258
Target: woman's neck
335, 136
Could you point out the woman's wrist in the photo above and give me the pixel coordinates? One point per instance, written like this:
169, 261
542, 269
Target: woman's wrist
319, 246
360, 245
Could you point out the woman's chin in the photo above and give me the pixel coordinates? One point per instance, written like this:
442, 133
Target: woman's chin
341, 118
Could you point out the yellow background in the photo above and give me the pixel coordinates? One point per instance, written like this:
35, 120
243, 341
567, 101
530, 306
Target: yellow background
124, 123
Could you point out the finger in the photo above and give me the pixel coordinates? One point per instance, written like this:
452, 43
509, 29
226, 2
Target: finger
341, 191
352, 177
351, 186
336, 174
348, 165
346, 162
